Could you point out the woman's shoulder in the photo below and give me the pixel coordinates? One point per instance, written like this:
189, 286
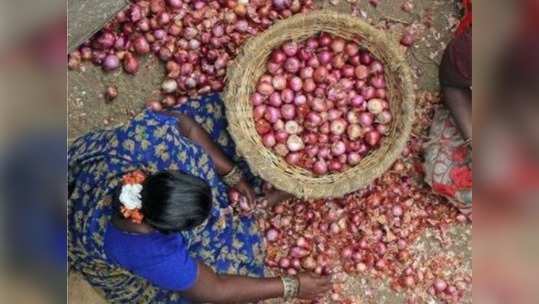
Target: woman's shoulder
122, 245
162, 259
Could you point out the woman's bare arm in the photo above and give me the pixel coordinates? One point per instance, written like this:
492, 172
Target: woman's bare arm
192, 130
215, 288
458, 101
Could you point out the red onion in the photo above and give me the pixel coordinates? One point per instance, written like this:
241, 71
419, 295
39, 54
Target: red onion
376, 67
275, 99
130, 64
135, 13
338, 148
292, 65
361, 72
378, 82
86, 53
169, 86
309, 263
174, 3
307, 72
278, 125
154, 105
313, 119
313, 62
337, 45
367, 92
312, 43
309, 85
284, 263
240, 10
288, 111
372, 138
295, 83
384, 117
281, 137
259, 111
324, 39
272, 114
257, 99
292, 271
111, 93
311, 151
320, 167
334, 114
366, 119
353, 158
324, 128
407, 39
265, 89
357, 101
380, 93
351, 49
105, 40
375, 106
318, 105
348, 71
325, 57
262, 126
280, 5
278, 56
300, 100
294, 143
354, 131
298, 252
290, 48
269, 140
293, 158
273, 68
292, 127
365, 57
338, 126
266, 78
407, 6
279, 82
272, 235
111, 62
440, 285
305, 54
287, 95
335, 166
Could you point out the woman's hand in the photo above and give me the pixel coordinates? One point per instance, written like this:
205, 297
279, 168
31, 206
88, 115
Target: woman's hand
275, 196
246, 190
312, 286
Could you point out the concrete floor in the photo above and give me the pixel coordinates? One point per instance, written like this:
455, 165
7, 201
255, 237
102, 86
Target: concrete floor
88, 110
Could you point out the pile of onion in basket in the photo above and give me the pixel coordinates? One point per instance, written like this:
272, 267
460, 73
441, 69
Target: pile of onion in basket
322, 103
195, 39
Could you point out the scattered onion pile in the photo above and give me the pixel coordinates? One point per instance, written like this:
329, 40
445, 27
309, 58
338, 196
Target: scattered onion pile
195, 39
322, 103
367, 232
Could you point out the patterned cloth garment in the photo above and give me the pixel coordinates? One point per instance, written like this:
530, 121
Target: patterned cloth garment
151, 141
448, 162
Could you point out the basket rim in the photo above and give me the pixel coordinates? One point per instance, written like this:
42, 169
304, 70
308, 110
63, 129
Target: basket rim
311, 186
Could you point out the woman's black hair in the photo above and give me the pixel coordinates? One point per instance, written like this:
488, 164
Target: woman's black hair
173, 201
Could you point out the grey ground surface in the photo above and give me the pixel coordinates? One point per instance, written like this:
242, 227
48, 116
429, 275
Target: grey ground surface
89, 111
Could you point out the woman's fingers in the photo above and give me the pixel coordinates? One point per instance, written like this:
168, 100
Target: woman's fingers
251, 195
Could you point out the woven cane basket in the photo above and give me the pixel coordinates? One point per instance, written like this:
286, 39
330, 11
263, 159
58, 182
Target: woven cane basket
249, 65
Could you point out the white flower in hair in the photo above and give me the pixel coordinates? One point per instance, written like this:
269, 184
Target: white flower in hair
130, 196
